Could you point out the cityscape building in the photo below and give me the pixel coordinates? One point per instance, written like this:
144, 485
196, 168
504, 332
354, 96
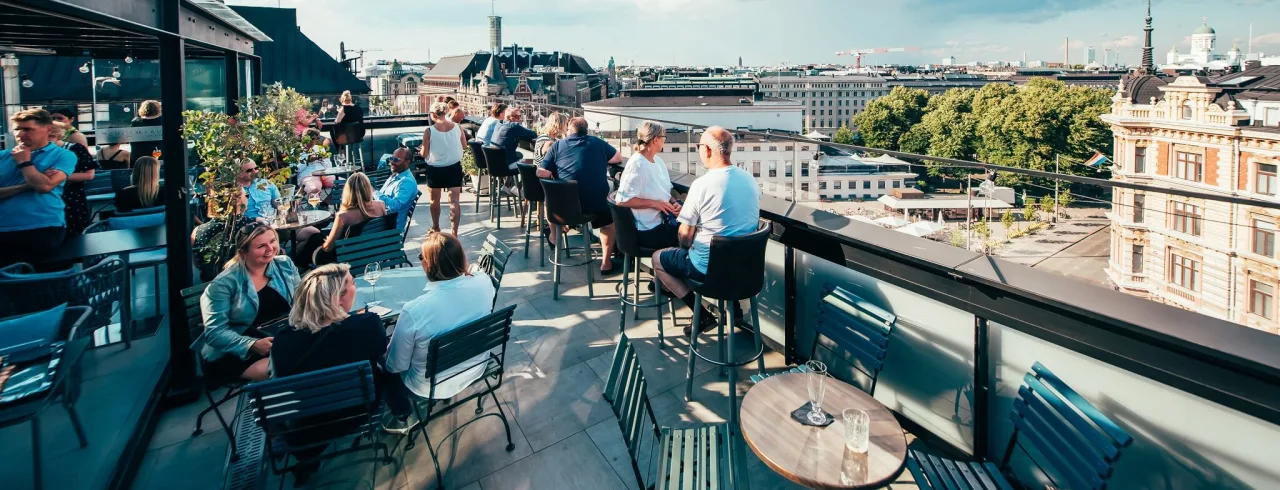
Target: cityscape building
1209, 135
829, 102
395, 85
1203, 54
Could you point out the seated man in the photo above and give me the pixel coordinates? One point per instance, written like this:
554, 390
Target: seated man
262, 193
584, 158
508, 135
32, 176
452, 299
723, 202
401, 189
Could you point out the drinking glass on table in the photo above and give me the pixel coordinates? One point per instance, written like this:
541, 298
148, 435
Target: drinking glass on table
816, 379
314, 200
857, 430
372, 273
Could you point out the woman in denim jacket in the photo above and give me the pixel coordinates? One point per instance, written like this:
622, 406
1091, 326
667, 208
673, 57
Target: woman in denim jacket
256, 288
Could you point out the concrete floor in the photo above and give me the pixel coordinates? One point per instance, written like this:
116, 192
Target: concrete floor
565, 434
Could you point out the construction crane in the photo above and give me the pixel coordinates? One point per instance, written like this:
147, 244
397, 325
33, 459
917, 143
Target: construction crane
857, 53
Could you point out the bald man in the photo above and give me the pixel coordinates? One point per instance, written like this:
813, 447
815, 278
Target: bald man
401, 189
725, 201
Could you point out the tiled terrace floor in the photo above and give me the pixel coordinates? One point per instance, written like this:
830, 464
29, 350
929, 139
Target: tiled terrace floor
565, 434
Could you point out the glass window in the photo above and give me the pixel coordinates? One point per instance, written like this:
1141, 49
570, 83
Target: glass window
789, 148
755, 169
897, 184
1261, 299
755, 148
1186, 218
740, 148
804, 169
789, 172
804, 186
866, 184
1186, 110
837, 184
1184, 271
1140, 160
773, 148
1264, 238
1189, 166
675, 149
1135, 259
822, 186
1265, 182
773, 169
804, 148
1139, 203
880, 184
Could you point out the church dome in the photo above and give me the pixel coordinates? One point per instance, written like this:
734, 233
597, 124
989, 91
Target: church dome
1205, 29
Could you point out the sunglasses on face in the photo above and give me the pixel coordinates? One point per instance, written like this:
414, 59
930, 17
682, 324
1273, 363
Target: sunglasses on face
394, 160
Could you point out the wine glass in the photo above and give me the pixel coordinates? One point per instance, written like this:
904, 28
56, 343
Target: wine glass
372, 273
283, 205
314, 200
816, 378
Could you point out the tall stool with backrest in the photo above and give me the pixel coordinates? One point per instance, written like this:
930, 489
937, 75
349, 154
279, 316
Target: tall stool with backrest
627, 238
564, 209
496, 160
531, 187
1075, 444
735, 271
482, 167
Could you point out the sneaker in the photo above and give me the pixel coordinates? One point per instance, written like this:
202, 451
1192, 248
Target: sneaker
510, 192
392, 424
708, 323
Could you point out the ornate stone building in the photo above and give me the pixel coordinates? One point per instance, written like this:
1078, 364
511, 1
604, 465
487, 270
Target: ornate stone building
1208, 135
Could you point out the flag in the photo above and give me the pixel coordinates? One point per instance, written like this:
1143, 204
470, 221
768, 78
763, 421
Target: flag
1097, 159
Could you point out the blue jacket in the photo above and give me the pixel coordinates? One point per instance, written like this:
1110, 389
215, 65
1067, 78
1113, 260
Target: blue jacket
230, 304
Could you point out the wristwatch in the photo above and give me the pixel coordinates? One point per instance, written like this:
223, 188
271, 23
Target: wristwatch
25, 165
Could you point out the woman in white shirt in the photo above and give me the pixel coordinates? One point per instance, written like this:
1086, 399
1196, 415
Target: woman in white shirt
645, 187
442, 145
453, 298
485, 134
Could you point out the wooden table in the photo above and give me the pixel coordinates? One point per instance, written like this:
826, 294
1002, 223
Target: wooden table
816, 457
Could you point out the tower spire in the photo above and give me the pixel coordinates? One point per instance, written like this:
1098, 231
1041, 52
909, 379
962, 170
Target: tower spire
1148, 60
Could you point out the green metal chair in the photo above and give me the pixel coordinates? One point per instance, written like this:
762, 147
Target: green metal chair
1072, 443
385, 248
208, 383
494, 256
850, 332
705, 456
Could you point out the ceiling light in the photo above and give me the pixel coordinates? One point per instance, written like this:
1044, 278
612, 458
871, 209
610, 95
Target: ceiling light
115, 71
129, 58
85, 67
26, 82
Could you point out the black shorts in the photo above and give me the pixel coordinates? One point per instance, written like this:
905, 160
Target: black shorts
602, 220
676, 262
446, 177
659, 237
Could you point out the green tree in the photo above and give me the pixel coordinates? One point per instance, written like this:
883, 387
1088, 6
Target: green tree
1006, 219
950, 125
1065, 199
984, 232
887, 119
957, 237
915, 140
843, 136
1029, 211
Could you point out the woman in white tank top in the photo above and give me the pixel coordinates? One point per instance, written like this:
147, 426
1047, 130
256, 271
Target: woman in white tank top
442, 146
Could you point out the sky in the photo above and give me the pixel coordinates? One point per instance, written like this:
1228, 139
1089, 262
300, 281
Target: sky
772, 32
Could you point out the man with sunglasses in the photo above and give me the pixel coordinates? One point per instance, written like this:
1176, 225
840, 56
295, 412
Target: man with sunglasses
401, 189
262, 193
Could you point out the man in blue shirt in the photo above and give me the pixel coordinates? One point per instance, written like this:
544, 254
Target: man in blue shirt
32, 175
723, 202
584, 158
262, 193
400, 191
508, 135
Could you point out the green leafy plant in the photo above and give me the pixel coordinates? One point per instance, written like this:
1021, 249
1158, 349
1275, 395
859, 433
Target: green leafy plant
1029, 211
1007, 220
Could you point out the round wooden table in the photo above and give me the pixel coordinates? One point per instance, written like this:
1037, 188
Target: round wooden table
816, 457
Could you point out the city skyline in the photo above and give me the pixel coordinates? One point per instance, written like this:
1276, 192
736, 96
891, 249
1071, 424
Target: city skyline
670, 32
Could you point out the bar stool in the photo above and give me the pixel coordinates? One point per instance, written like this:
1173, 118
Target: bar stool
531, 187
496, 161
735, 271
482, 168
627, 238
564, 209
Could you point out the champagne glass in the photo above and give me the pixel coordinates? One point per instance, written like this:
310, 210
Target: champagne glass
314, 200
816, 378
372, 273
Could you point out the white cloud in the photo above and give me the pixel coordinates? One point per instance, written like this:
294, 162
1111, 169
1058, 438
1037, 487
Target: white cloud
1123, 42
1272, 39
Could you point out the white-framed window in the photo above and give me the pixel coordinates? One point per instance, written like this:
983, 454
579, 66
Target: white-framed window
1262, 299
1184, 271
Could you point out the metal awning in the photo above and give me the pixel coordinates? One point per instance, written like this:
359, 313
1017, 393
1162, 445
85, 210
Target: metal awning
224, 13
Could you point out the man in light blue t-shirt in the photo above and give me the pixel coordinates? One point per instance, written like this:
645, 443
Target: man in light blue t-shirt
32, 176
723, 202
261, 192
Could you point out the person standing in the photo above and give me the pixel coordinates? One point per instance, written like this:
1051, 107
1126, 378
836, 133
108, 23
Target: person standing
584, 158
149, 115
725, 201
67, 116
442, 146
76, 203
645, 188
400, 191
32, 176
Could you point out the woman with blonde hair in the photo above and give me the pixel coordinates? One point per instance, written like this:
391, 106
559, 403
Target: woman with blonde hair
357, 208
556, 127
255, 289
146, 189
442, 145
323, 334
645, 187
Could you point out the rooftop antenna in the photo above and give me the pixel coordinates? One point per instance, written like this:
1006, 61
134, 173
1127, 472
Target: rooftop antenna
493, 7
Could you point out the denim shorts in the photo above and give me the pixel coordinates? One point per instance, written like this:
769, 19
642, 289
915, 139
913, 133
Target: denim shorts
676, 262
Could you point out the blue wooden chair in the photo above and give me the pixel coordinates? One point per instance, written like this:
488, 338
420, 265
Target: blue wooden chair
703, 456
384, 247
481, 342
850, 332
301, 415
1065, 436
